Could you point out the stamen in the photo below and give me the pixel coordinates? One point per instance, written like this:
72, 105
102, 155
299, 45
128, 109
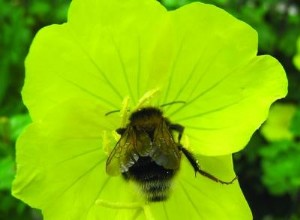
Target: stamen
106, 143
124, 111
147, 97
115, 135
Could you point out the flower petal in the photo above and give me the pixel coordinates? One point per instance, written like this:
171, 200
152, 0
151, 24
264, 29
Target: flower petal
202, 198
89, 58
61, 162
212, 66
61, 170
227, 88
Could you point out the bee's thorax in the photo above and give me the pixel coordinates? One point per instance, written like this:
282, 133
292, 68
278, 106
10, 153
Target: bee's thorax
146, 119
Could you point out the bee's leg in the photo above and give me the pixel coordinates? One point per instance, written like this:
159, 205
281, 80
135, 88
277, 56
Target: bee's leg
179, 128
121, 131
194, 162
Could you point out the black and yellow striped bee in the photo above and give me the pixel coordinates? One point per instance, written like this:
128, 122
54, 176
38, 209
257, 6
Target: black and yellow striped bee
148, 154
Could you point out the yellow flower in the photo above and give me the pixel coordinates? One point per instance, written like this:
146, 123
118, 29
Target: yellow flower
136, 53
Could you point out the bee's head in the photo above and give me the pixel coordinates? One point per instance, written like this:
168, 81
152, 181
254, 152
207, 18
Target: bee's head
145, 114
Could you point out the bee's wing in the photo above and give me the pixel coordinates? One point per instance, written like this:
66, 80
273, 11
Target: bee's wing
165, 150
127, 151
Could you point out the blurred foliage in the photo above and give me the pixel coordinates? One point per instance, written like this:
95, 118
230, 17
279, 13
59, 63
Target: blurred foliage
297, 56
280, 157
268, 169
277, 127
281, 167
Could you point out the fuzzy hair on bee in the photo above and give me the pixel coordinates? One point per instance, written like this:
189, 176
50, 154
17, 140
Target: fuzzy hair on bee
148, 154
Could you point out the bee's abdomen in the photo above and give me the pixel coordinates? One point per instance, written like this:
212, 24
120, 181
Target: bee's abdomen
154, 180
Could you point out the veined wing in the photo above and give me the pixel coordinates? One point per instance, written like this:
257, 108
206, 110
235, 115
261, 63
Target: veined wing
127, 151
165, 150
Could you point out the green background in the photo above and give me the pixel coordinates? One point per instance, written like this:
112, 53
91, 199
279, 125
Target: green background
269, 171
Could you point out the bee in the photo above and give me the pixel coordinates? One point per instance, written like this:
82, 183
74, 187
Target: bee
148, 154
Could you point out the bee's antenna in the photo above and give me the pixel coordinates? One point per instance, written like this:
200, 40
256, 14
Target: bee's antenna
174, 102
111, 112
163, 105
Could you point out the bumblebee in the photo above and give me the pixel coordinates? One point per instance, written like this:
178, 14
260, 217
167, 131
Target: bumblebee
148, 154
